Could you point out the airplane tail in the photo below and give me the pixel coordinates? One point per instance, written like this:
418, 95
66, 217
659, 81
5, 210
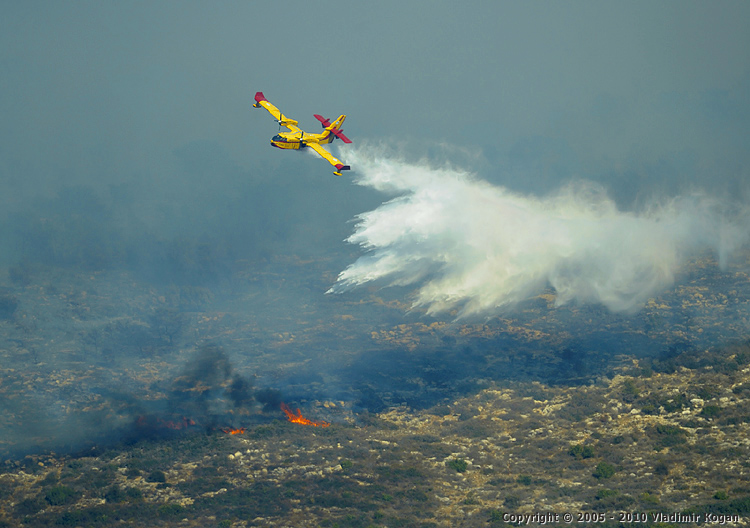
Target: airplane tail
333, 128
337, 124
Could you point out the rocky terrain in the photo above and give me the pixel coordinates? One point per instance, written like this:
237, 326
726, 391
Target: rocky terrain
642, 442
116, 393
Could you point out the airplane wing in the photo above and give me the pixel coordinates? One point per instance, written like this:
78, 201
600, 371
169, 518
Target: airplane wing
291, 124
329, 157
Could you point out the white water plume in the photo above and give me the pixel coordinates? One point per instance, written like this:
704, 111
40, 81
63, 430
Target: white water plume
472, 246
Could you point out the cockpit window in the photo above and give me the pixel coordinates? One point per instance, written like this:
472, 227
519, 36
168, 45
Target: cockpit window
279, 138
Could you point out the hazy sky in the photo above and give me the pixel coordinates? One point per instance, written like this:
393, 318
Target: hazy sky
543, 90
147, 105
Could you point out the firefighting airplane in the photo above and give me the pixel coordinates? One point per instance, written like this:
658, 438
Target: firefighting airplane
298, 139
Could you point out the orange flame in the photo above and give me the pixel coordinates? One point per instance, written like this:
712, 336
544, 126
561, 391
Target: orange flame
298, 418
233, 431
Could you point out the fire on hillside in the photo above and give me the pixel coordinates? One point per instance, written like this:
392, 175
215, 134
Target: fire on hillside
298, 418
233, 431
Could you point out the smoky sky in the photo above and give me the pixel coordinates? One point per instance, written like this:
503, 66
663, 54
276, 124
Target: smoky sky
128, 136
643, 97
128, 133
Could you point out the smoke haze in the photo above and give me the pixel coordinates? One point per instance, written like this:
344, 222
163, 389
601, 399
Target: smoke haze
478, 248
157, 255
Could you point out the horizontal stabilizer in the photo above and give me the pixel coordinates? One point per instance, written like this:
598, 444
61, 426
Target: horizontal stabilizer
323, 120
339, 134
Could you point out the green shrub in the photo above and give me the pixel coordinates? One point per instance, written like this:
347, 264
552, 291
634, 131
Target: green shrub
661, 468
459, 464
603, 493
114, 494
580, 451
28, 506
737, 506
710, 411
524, 480
670, 435
61, 495
604, 470
512, 502
71, 518
471, 499
649, 498
417, 495
706, 393
675, 404
170, 510
156, 476
133, 494
495, 516
630, 391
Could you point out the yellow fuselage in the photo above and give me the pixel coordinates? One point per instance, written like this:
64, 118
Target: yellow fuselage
297, 140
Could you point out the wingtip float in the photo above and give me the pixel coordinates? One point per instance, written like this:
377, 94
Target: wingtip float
297, 138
